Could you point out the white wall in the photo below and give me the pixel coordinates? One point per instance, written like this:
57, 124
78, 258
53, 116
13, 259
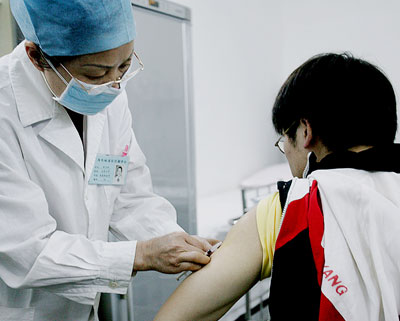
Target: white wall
244, 50
370, 29
237, 56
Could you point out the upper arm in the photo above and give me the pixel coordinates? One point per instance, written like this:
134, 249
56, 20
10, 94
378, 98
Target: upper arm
233, 270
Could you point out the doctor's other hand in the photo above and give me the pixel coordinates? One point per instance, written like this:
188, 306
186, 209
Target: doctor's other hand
172, 253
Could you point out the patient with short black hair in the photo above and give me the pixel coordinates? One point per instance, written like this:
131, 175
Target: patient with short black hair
332, 233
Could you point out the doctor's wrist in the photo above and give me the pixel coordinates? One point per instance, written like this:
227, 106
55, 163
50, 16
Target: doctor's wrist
141, 262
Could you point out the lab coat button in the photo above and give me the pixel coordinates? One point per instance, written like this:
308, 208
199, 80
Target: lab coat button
113, 284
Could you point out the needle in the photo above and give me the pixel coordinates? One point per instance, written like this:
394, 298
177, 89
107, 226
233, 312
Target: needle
208, 253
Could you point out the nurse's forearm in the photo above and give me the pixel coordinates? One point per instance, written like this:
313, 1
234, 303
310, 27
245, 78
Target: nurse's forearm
171, 253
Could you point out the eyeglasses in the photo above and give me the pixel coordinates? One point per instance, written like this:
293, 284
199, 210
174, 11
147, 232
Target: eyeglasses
280, 143
97, 89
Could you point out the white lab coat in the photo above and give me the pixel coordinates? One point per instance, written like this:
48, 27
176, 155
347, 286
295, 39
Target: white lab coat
54, 253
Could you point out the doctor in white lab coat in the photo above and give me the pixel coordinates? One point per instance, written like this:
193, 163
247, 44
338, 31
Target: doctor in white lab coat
58, 200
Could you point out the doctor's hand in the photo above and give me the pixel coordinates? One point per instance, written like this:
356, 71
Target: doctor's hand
172, 253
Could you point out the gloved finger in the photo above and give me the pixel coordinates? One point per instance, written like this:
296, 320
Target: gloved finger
193, 248
193, 257
212, 241
199, 242
186, 266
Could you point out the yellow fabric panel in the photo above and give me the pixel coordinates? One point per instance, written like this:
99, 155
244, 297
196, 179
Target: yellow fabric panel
269, 212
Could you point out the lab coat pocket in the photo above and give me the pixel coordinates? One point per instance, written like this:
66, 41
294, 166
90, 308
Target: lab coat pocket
16, 314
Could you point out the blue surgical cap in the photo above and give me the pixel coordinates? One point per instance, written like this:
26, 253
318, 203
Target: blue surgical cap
75, 27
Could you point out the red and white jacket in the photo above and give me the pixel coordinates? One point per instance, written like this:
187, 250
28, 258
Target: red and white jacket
337, 255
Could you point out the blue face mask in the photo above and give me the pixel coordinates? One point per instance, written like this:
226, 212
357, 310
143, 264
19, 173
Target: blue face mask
88, 99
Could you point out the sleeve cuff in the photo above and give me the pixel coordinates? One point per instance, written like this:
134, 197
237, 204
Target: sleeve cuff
117, 265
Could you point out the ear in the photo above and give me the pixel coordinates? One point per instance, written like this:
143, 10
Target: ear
307, 132
34, 54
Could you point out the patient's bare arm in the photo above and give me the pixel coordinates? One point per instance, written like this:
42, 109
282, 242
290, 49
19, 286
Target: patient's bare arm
234, 268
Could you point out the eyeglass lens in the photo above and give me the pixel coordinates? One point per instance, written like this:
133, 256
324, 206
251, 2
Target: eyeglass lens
281, 146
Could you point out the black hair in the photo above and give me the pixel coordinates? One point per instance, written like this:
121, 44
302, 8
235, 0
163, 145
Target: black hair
347, 101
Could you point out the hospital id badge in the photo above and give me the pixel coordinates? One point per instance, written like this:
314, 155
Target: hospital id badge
109, 170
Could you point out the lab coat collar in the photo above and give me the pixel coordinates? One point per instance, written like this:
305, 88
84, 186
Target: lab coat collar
61, 133
35, 103
33, 98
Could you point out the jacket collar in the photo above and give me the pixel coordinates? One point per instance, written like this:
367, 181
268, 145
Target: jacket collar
33, 98
384, 158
